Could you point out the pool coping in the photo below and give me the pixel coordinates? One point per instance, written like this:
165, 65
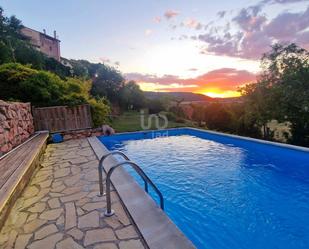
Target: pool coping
288, 146
251, 139
156, 228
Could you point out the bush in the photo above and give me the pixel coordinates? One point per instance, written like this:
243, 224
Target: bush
100, 111
170, 116
5, 53
155, 106
41, 88
180, 120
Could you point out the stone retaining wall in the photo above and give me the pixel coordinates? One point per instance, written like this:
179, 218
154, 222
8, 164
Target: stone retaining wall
68, 135
16, 124
83, 133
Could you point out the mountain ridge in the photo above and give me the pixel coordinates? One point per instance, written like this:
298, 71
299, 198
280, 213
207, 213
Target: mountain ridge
187, 96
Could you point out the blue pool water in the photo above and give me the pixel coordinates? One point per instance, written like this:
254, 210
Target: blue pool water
225, 192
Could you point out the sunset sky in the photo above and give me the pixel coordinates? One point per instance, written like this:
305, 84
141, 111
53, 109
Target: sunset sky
203, 46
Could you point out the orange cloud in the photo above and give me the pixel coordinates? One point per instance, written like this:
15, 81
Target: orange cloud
170, 14
220, 83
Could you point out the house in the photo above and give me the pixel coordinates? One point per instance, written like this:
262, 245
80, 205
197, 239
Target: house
42, 42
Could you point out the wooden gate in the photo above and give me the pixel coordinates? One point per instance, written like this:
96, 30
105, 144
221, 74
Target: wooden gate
62, 118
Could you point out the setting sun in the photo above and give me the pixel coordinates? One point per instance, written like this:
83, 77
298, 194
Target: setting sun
226, 94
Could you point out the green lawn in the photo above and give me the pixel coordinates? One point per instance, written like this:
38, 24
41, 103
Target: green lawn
131, 121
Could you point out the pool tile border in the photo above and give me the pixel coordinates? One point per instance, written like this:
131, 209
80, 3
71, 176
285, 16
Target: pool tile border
154, 225
249, 139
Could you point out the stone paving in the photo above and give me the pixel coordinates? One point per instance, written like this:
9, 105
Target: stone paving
60, 208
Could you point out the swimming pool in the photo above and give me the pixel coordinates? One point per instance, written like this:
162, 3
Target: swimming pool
225, 192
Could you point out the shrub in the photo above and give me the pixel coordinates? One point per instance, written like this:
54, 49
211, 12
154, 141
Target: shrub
170, 116
42, 88
99, 111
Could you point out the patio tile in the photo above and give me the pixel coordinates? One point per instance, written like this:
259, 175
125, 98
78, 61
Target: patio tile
68, 243
34, 225
106, 246
54, 203
70, 215
131, 244
47, 243
45, 231
22, 240
91, 220
76, 233
52, 214
60, 208
99, 235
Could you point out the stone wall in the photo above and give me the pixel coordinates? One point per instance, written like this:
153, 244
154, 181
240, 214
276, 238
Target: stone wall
68, 135
104, 130
16, 124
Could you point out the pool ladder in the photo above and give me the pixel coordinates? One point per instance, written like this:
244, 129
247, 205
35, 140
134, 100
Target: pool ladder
139, 171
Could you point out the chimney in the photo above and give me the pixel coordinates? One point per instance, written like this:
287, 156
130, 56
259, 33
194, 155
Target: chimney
55, 34
44, 31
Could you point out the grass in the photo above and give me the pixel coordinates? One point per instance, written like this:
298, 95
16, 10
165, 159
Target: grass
131, 121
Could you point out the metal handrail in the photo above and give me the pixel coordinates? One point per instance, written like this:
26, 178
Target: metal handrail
109, 211
100, 168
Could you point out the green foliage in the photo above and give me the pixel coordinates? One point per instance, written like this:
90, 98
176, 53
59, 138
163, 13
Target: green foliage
258, 98
100, 111
84, 68
107, 83
177, 111
171, 116
43, 88
5, 53
226, 117
52, 65
282, 92
76, 92
156, 105
15, 47
132, 97
198, 114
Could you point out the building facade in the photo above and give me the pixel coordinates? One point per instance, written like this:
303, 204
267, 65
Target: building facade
48, 45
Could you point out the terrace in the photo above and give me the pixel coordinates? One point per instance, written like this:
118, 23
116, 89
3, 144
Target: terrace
49, 193
60, 207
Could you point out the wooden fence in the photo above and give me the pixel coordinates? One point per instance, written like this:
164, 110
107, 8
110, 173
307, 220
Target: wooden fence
62, 118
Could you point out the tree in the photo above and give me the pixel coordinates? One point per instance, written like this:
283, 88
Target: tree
198, 114
41, 88
282, 92
156, 105
217, 117
287, 69
131, 96
99, 111
177, 108
258, 99
107, 82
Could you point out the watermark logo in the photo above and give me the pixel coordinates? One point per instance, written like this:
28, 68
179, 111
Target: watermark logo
160, 122
156, 118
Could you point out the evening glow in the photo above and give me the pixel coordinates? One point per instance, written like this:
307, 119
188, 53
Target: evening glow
191, 46
225, 94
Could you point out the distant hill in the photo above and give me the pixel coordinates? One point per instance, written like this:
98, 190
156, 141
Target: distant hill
191, 97
186, 96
